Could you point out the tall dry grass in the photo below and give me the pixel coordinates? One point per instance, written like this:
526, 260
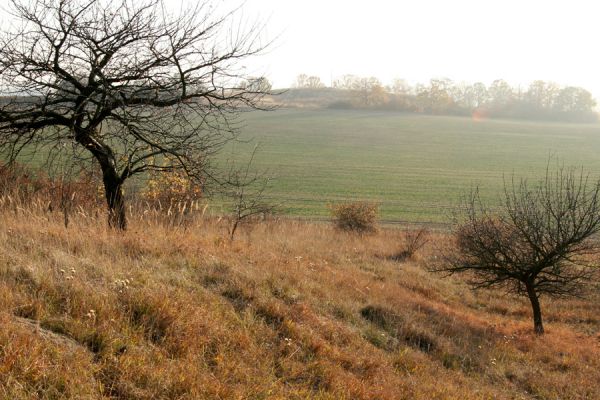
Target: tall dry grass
291, 310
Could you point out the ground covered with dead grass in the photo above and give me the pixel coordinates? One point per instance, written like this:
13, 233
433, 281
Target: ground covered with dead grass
288, 310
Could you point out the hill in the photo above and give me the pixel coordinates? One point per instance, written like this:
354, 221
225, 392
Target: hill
416, 166
288, 311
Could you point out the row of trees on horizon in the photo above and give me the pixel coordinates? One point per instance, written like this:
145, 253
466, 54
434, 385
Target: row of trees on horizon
542, 100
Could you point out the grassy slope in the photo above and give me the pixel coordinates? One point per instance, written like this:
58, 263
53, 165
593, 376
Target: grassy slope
163, 313
416, 166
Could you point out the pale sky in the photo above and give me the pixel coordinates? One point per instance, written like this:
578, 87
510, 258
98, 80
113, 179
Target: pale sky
464, 40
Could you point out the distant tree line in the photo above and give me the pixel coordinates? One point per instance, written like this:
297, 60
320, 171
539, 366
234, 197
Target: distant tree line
304, 81
540, 101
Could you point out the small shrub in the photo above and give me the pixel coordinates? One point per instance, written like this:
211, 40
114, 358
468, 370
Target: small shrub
173, 188
414, 240
359, 216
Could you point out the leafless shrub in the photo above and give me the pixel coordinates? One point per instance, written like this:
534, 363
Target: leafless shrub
413, 241
247, 192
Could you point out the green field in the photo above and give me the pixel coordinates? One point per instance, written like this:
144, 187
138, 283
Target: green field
415, 166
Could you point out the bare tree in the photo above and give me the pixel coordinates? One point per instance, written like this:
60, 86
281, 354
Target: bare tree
247, 193
540, 243
126, 83
258, 85
414, 240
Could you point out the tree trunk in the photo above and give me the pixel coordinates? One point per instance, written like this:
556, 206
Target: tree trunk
113, 183
113, 189
538, 326
233, 229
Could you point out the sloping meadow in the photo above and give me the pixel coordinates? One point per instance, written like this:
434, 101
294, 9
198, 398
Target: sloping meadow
288, 310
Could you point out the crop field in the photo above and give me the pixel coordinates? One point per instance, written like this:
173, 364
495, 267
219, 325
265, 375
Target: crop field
416, 167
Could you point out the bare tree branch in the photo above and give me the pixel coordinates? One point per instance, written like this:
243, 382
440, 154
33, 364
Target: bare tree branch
129, 82
542, 243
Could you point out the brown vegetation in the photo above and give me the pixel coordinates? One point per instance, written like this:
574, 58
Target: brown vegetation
358, 216
541, 242
288, 311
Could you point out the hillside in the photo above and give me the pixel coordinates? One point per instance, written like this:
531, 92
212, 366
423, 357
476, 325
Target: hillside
287, 311
306, 98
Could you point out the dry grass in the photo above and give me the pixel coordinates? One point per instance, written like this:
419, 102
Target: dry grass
289, 311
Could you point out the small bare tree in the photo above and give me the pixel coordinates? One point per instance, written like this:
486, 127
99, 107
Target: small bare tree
540, 242
247, 192
127, 83
414, 240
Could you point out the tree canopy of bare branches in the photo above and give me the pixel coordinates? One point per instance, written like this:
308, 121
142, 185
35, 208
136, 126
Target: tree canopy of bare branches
127, 83
540, 242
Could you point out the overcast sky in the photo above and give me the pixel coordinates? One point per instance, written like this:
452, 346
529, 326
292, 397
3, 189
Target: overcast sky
464, 40
518, 40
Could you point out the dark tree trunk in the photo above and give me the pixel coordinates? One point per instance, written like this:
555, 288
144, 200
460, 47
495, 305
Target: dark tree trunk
113, 189
538, 326
233, 229
113, 183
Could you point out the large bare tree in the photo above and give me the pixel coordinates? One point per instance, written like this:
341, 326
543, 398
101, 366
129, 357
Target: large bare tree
541, 241
127, 83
